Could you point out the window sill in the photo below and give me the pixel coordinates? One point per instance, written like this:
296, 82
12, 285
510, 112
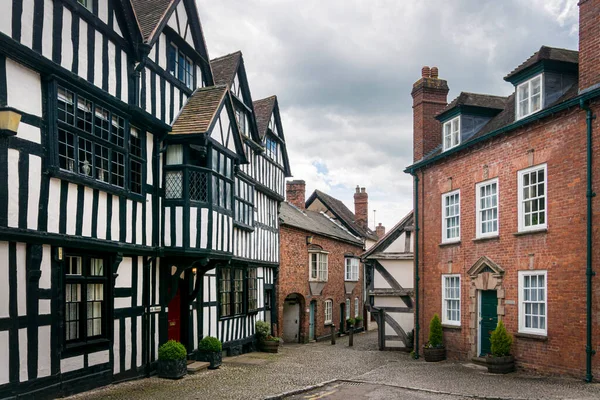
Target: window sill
531, 232
76, 349
455, 327
351, 280
486, 238
243, 227
533, 336
446, 244
316, 281
95, 184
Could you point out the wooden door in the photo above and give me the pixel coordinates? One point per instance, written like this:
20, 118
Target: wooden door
311, 321
489, 319
174, 317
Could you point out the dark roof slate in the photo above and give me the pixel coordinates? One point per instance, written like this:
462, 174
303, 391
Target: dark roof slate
315, 222
224, 68
476, 100
391, 236
343, 213
547, 53
197, 114
263, 110
149, 15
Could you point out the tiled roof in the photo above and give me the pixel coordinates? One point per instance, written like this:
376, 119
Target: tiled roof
315, 222
391, 236
476, 100
263, 109
224, 68
547, 53
149, 14
200, 110
343, 213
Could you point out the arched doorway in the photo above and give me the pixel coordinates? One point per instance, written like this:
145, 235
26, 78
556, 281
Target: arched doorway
292, 306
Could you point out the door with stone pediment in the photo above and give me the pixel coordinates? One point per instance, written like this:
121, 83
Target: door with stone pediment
488, 319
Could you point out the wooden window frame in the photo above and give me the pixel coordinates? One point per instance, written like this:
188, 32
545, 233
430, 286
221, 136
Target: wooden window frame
231, 280
528, 99
523, 302
522, 202
446, 218
480, 211
322, 274
448, 132
353, 276
446, 299
328, 309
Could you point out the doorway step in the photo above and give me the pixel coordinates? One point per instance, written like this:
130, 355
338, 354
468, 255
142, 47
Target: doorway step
197, 366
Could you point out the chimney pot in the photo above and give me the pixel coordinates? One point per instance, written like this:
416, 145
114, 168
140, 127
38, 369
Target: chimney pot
425, 72
357, 189
434, 72
363, 190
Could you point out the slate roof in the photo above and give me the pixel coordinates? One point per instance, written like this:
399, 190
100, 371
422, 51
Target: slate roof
197, 114
547, 53
224, 68
149, 15
263, 109
476, 100
393, 234
315, 222
342, 212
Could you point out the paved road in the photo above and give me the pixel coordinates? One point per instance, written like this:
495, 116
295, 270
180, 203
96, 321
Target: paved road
375, 374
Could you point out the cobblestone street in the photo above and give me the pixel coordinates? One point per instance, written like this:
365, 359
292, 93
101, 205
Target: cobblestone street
360, 372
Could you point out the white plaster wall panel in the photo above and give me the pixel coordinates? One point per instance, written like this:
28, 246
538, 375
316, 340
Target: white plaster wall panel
71, 364
398, 245
156, 289
33, 191
98, 59
127, 344
173, 22
140, 280
156, 335
67, 45
138, 339
193, 225
13, 187
71, 209
139, 233
124, 278
116, 344
112, 69
4, 349
213, 322
21, 278
402, 271
44, 307
48, 29
149, 152
215, 218
213, 288
195, 328
384, 301
162, 51
101, 217
99, 357
4, 294
158, 102
122, 302
206, 283
379, 281
128, 228
88, 198
103, 12
204, 228
148, 91
83, 50
179, 226
23, 376
205, 321
54, 205
44, 351
6, 28
27, 24
124, 87
116, 25
114, 222
46, 267
167, 230
29, 132
167, 97
176, 105
149, 219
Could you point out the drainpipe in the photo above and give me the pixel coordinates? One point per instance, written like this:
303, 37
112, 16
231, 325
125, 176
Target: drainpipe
416, 206
589, 352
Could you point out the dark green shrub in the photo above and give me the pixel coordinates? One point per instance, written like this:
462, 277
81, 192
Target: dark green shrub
263, 329
210, 343
358, 320
270, 338
435, 332
501, 341
410, 339
172, 350
351, 321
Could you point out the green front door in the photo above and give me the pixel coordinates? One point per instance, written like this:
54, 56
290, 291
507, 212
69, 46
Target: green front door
489, 319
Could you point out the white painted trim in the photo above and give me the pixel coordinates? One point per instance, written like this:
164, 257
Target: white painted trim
521, 224
449, 123
444, 239
444, 320
522, 328
325, 304
478, 208
517, 100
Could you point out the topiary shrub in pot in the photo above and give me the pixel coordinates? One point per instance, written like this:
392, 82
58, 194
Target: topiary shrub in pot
210, 350
172, 360
434, 349
500, 361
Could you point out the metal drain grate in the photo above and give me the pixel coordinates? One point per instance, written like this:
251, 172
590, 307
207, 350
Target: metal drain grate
351, 383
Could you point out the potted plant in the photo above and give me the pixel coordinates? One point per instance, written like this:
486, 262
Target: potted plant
266, 342
434, 349
358, 323
172, 363
209, 350
500, 361
350, 323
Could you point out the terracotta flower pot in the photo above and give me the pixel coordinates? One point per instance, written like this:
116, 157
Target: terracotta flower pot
434, 354
500, 365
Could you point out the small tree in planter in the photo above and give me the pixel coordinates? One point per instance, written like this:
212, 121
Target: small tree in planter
266, 342
172, 361
500, 361
434, 349
210, 350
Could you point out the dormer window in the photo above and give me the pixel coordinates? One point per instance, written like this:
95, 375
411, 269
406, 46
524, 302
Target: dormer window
451, 133
529, 97
180, 66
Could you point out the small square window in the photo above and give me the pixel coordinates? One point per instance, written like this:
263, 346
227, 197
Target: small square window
529, 97
451, 131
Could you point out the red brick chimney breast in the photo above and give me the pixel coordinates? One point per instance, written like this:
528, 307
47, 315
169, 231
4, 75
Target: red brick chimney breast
295, 193
361, 207
429, 97
380, 231
589, 43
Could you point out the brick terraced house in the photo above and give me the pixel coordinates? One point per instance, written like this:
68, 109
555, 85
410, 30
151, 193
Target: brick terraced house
506, 217
320, 279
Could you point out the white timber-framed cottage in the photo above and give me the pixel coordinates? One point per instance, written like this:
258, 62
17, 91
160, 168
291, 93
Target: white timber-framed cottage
134, 208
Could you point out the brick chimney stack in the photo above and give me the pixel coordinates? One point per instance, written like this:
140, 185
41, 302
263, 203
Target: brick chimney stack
361, 207
295, 193
380, 231
429, 97
589, 44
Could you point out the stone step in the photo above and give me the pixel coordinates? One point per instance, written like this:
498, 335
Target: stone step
197, 366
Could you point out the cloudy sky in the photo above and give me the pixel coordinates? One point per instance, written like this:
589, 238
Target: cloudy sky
343, 71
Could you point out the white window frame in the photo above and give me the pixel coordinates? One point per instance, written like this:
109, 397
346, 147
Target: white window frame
518, 98
322, 266
356, 309
351, 267
522, 303
454, 134
445, 238
521, 205
348, 314
445, 299
328, 310
479, 210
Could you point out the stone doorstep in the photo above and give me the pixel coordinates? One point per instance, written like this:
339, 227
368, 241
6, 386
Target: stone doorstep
479, 361
197, 366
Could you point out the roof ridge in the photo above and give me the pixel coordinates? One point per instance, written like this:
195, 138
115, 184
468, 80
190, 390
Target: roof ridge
227, 55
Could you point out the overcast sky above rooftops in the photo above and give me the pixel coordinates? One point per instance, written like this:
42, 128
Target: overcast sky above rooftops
343, 71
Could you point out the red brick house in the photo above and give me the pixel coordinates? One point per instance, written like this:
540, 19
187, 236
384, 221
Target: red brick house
320, 277
505, 212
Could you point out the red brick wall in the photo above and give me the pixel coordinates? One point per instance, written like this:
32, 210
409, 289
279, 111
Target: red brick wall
295, 193
294, 273
589, 43
361, 207
559, 141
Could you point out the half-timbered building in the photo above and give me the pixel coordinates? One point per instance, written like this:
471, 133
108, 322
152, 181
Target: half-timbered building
134, 208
